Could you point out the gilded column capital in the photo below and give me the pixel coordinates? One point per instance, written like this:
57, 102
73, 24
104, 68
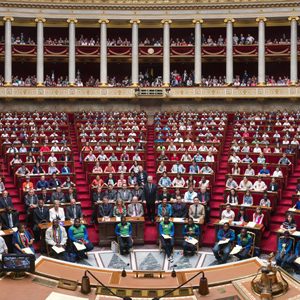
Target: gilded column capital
293, 18
137, 21
43, 20
106, 21
232, 20
166, 21
72, 20
197, 21
264, 19
8, 19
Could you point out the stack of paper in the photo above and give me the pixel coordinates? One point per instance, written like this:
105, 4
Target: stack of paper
58, 249
118, 219
292, 209
192, 240
222, 242
236, 250
296, 233
251, 224
297, 261
27, 250
79, 246
166, 236
14, 229
178, 220
125, 235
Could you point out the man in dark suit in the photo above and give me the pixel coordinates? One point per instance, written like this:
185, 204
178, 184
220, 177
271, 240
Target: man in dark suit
111, 193
5, 200
40, 214
73, 211
105, 209
9, 218
179, 208
71, 194
204, 198
44, 196
124, 193
54, 182
164, 194
97, 196
149, 197
141, 176
58, 195
137, 192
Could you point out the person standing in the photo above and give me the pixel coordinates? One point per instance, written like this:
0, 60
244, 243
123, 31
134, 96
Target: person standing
149, 197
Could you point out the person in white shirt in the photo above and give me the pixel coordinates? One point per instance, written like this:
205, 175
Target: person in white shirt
231, 183
234, 158
249, 171
55, 148
245, 184
277, 173
122, 168
3, 246
228, 213
259, 185
186, 157
257, 149
209, 157
52, 158
56, 212
190, 195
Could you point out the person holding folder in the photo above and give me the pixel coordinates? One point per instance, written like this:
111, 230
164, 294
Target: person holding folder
244, 240
222, 248
79, 237
123, 231
191, 233
166, 235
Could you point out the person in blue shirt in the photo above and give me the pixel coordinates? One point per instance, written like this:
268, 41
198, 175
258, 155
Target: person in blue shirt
194, 168
221, 251
284, 250
22, 239
164, 181
65, 169
166, 236
123, 231
244, 239
198, 157
297, 205
291, 259
42, 183
190, 230
264, 171
164, 208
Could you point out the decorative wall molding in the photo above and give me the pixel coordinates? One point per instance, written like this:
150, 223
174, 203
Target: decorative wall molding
196, 93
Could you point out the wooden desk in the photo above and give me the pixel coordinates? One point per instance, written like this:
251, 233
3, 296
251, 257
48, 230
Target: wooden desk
258, 230
107, 230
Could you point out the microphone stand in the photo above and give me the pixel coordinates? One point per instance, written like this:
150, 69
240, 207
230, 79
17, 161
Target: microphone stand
205, 288
86, 285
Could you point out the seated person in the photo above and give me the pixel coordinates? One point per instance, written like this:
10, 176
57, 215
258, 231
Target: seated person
284, 160
289, 224
164, 181
228, 213
284, 250
244, 239
97, 182
178, 168
242, 217
119, 209
204, 197
135, 209
259, 185
105, 209
42, 183
264, 171
245, 184
206, 169
291, 259
179, 209
222, 251
78, 234
73, 211
258, 216
22, 240
273, 186
70, 195
40, 215
164, 194
124, 193
58, 195
166, 236
197, 211
44, 196
247, 199
111, 193
123, 231
65, 169
56, 212
231, 183
5, 200
27, 185
265, 201
232, 197
31, 201
190, 194
190, 230
9, 218
164, 208
297, 204
54, 182
56, 235
3, 246
137, 191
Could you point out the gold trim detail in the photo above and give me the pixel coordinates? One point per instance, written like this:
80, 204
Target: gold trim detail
232, 20
195, 21
40, 20
293, 18
8, 19
72, 20
166, 21
258, 19
103, 21
137, 21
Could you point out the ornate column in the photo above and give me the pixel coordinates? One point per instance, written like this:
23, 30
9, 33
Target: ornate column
135, 52
72, 56
8, 51
294, 54
261, 51
103, 52
229, 50
166, 53
40, 51
197, 52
